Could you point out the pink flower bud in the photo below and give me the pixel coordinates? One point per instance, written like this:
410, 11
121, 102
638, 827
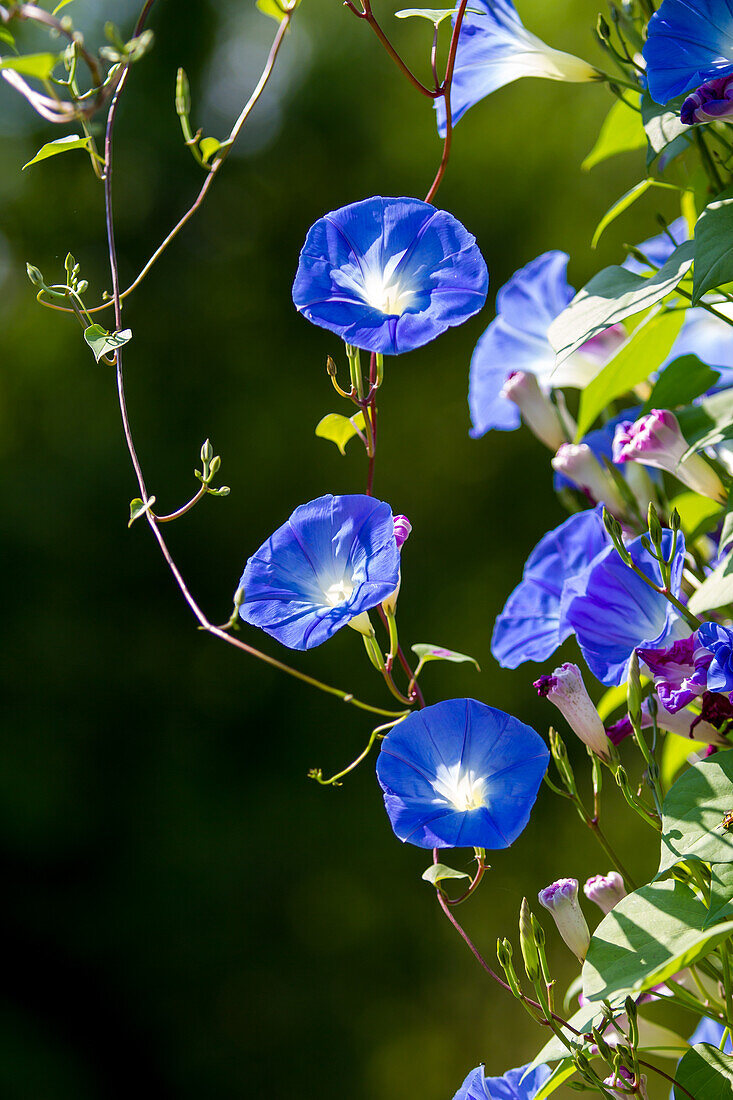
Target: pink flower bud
577, 462
656, 440
402, 529
565, 688
605, 891
561, 900
538, 412
710, 102
621, 1085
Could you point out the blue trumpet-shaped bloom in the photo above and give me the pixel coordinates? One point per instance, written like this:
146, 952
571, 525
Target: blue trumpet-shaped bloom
389, 275
613, 611
718, 640
494, 49
517, 340
460, 774
512, 1086
534, 620
334, 559
689, 42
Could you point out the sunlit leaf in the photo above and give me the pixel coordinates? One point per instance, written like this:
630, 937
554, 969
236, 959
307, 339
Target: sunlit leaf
618, 207
40, 65
138, 508
435, 15
63, 4
705, 1072
680, 383
716, 590
635, 360
276, 9
721, 893
621, 132
340, 429
209, 146
428, 652
676, 751
561, 1073
436, 872
714, 245
102, 342
693, 811
60, 145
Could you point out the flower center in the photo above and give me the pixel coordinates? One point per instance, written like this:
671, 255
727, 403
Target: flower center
463, 789
386, 294
338, 592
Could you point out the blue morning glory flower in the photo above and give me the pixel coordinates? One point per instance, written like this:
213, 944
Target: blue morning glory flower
613, 611
494, 49
534, 620
389, 275
708, 1031
512, 1086
516, 341
689, 42
460, 774
718, 640
333, 560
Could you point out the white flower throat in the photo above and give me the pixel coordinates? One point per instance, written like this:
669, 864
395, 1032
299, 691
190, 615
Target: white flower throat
465, 790
387, 294
338, 592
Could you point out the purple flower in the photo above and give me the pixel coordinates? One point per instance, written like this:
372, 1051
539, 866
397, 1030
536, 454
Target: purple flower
534, 621
516, 343
402, 530
656, 440
605, 891
495, 49
460, 774
688, 43
389, 275
561, 900
565, 688
333, 560
711, 101
514, 1085
613, 611
718, 641
679, 671
621, 1085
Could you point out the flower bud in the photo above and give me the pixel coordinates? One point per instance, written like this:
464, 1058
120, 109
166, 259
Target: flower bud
527, 942
605, 891
538, 412
710, 102
565, 688
620, 1085
578, 464
561, 900
402, 530
656, 440
34, 275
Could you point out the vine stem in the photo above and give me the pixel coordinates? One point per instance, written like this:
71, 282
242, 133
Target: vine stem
368, 15
202, 619
445, 90
216, 167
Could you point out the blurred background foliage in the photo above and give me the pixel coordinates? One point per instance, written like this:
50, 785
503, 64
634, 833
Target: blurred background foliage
184, 911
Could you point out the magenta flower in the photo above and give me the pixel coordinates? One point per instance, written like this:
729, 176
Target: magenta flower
679, 671
656, 440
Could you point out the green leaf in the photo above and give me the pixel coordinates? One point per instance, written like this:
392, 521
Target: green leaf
427, 652
647, 938
611, 296
680, 383
635, 360
714, 245
618, 207
694, 510
692, 814
612, 699
621, 132
715, 591
6, 36
436, 872
675, 754
276, 9
705, 1072
664, 129
102, 342
63, 4
721, 893
139, 508
708, 421
209, 146
340, 429
40, 65
60, 145
435, 15
561, 1073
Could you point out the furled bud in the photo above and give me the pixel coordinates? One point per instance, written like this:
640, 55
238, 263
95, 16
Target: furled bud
578, 464
656, 440
621, 1085
605, 891
527, 942
565, 688
561, 900
538, 412
402, 529
710, 102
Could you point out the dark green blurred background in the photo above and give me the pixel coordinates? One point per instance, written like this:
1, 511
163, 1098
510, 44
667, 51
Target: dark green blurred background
183, 911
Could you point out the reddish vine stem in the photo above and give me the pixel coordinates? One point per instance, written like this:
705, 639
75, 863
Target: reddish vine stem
367, 14
445, 91
202, 619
